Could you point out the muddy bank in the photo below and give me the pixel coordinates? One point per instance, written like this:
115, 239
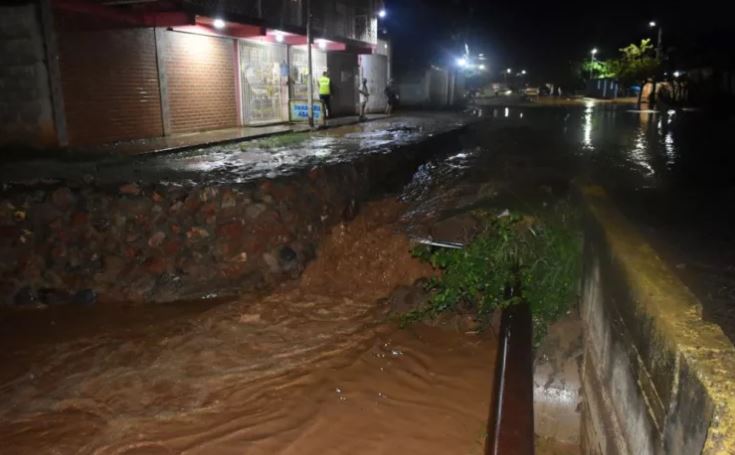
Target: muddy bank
139, 242
312, 368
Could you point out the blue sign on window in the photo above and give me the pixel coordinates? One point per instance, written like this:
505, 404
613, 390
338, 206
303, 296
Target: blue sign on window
300, 111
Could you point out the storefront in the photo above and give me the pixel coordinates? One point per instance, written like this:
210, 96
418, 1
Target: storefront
299, 71
264, 79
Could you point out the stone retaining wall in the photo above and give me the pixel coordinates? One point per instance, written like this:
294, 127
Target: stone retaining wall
164, 242
657, 379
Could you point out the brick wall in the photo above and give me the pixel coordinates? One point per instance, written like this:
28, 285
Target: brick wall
110, 84
25, 104
200, 77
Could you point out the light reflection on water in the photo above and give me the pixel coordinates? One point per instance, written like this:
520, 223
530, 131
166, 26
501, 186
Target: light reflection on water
641, 145
587, 127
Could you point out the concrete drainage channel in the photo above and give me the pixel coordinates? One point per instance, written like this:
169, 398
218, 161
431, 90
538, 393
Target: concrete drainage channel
639, 371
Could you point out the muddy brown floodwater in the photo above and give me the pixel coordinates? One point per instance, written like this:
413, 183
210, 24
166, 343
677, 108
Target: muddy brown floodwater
315, 367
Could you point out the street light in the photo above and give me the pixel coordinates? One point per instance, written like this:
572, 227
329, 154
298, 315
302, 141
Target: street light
382, 13
523, 72
482, 67
461, 61
593, 52
659, 38
219, 24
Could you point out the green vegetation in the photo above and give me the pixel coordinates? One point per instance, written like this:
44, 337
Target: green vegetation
598, 68
542, 253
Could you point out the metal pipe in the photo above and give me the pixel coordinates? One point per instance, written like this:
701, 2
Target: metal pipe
510, 427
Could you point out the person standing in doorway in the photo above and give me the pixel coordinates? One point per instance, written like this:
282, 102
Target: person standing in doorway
364, 96
392, 95
325, 94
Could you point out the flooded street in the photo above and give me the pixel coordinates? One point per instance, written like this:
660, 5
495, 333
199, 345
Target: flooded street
668, 171
315, 367
319, 365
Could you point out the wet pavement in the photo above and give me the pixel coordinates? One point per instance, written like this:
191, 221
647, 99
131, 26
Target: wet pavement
244, 161
670, 172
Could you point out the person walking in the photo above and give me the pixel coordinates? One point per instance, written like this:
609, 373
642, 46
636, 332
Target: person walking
364, 96
325, 94
392, 96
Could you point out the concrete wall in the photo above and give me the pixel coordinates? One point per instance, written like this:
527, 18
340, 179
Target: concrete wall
434, 88
657, 379
26, 115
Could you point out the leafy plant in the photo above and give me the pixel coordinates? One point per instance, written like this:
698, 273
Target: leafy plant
540, 253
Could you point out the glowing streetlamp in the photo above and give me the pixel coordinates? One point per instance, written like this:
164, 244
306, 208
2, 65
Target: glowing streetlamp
523, 72
659, 38
461, 62
219, 24
593, 52
382, 13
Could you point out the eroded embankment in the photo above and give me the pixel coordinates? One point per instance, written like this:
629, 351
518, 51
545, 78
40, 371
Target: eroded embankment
312, 368
135, 242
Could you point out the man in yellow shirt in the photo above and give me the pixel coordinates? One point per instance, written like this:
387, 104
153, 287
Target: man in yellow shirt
325, 93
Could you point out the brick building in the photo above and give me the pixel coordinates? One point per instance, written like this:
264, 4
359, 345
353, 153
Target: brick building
97, 71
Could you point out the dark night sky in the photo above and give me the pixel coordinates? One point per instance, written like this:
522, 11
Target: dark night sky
543, 37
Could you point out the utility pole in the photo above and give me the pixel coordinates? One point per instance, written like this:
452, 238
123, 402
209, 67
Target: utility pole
660, 43
311, 70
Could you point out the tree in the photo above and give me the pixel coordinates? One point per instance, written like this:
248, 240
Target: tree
637, 64
598, 68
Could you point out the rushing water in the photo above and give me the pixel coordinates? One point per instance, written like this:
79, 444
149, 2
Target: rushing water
315, 367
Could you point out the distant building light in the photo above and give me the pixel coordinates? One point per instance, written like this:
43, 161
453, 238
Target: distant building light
321, 43
480, 55
482, 67
219, 24
382, 13
652, 24
279, 37
677, 73
523, 72
509, 71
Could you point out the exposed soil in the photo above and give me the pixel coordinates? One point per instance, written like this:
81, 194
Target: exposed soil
313, 368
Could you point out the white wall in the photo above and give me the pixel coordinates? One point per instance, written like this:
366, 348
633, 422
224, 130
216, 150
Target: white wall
375, 69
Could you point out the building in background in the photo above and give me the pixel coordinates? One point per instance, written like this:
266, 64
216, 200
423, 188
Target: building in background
89, 72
